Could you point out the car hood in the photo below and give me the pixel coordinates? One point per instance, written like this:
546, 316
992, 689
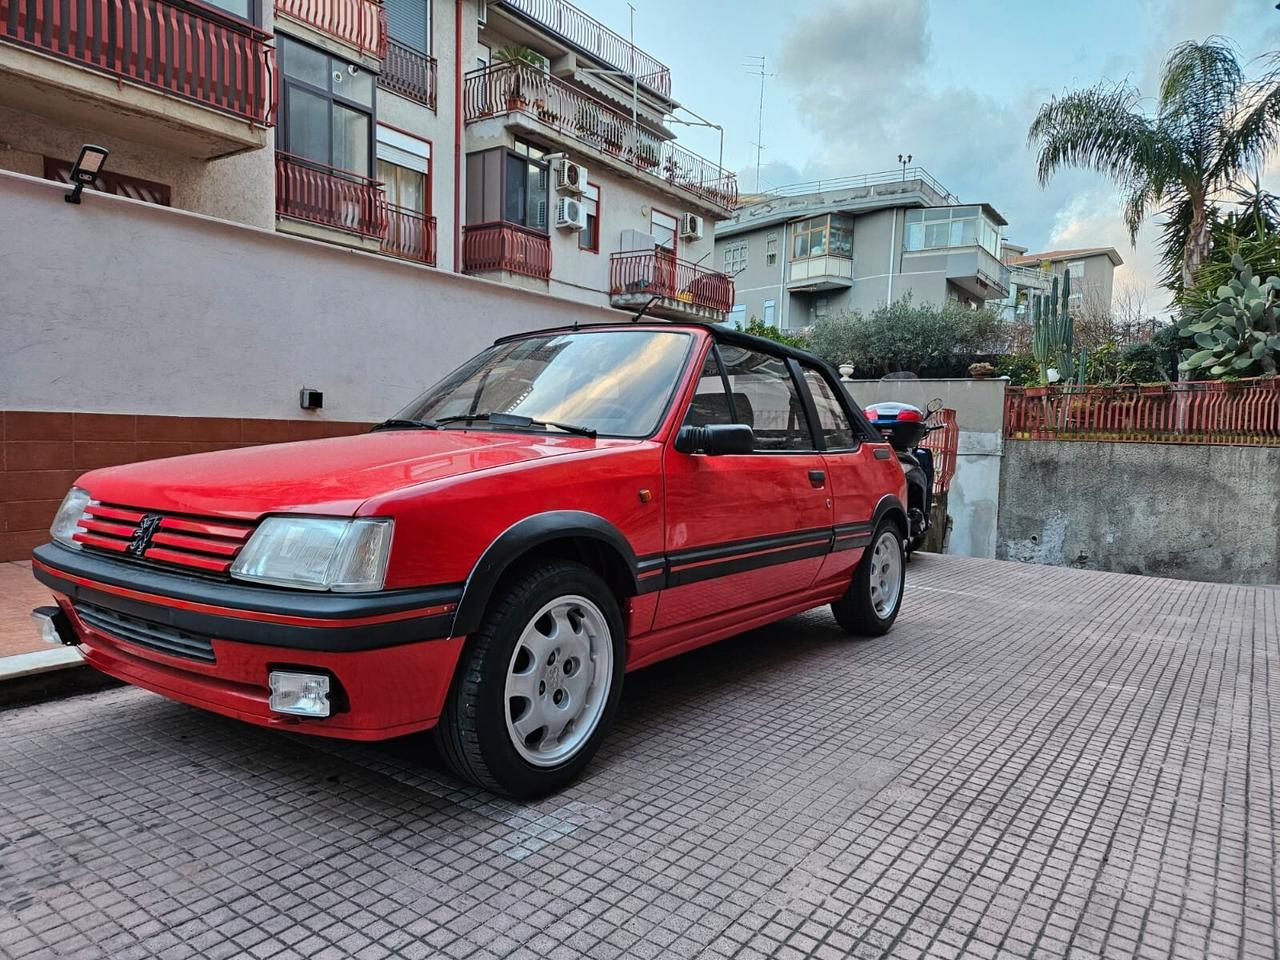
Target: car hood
332, 476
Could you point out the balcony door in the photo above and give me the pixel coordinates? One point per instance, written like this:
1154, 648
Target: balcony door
404, 168
665, 230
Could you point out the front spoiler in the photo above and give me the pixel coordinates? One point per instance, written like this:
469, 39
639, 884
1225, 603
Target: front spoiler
294, 619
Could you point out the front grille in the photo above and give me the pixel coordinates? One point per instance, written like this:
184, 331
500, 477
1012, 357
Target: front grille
145, 633
194, 544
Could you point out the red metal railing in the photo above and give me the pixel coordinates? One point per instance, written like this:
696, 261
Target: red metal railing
658, 274
410, 234
593, 37
506, 246
509, 88
182, 48
409, 72
945, 444
317, 193
1231, 412
361, 23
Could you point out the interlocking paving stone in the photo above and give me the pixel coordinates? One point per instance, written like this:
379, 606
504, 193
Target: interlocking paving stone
1036, 762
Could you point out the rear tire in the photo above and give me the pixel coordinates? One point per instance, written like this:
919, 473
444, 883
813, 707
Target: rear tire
537, 684
871, 604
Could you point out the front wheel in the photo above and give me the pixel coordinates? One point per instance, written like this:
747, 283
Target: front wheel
871, 604
537, 685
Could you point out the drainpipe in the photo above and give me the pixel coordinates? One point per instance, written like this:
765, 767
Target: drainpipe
784, 295
893, 243
457, 138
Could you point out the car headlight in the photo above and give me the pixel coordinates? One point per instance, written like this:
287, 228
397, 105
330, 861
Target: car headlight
317, 553
66, 522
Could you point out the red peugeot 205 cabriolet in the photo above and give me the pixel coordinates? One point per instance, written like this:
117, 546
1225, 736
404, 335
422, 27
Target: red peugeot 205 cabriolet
566, 506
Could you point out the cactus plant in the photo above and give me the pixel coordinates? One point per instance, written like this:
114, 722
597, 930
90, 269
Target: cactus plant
1239, 334
1055, 332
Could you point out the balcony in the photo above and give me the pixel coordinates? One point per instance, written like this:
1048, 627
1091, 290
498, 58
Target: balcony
684, 290
409, 73
815, 274
410, 235
546, 105
506, 246
975, 271
360, 24
169, 73
327, 197
594, 39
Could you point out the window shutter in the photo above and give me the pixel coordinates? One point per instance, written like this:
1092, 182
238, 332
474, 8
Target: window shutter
407, 23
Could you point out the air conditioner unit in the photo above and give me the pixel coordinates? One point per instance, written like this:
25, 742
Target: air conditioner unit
691, 226
570, 214
570, 177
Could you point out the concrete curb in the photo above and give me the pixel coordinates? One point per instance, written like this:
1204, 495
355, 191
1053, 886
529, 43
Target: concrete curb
51, 674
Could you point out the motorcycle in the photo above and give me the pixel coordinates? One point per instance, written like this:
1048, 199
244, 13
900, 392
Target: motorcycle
905, 427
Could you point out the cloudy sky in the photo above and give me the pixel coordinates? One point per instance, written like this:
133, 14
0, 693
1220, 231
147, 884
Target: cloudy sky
955, 84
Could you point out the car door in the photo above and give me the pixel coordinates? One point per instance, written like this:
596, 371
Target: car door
743, 530
857, 465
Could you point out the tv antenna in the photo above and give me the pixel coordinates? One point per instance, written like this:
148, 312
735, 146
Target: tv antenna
757, 69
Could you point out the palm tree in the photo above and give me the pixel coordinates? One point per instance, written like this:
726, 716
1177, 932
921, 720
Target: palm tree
1210, 128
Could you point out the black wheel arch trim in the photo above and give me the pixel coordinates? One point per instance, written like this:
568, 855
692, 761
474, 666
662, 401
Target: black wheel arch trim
890, 506
643, 575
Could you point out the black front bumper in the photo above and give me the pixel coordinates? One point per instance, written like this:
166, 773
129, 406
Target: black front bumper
328, 622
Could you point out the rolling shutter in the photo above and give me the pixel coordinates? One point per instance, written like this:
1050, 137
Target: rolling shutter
408, 22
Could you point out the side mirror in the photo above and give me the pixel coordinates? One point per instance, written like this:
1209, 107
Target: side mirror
716, 439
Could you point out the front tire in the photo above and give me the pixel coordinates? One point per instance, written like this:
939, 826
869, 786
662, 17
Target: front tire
537, 685
871, 604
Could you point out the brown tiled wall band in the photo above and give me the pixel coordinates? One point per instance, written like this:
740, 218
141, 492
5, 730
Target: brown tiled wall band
42, 454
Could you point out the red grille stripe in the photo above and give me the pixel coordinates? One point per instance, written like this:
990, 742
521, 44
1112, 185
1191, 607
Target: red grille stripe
198, 544
161, 555
114, 513
110, 529
103, 543
205, 528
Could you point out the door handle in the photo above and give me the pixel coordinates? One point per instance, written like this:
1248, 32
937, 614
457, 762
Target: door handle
818, 478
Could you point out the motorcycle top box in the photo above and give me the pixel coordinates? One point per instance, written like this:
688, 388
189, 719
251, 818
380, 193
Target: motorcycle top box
901, 424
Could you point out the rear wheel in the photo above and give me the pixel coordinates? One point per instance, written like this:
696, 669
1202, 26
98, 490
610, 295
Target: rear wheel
537, 685
871, 604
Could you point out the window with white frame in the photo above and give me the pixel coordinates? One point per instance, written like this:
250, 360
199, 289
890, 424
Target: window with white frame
737, 317
771, 249
931, 228
735, 257
769, 310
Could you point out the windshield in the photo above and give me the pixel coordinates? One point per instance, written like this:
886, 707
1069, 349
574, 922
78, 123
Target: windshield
616, 382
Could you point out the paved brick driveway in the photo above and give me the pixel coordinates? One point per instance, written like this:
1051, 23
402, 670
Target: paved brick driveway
1036, 762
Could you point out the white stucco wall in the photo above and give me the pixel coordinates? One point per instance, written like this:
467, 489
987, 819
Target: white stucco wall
116, 306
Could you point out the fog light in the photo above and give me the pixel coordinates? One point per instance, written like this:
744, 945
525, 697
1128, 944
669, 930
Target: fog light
303, 694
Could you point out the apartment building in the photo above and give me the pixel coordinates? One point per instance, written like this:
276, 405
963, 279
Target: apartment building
517, 140
1092, 271
799, 253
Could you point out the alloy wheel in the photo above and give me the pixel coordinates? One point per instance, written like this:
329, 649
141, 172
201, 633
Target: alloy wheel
558, 680
886, 574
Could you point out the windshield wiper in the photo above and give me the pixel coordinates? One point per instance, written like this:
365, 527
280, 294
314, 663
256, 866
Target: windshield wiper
396, 423
515, 420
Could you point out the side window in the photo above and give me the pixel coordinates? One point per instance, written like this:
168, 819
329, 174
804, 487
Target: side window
765, 398
832, 421
710, 404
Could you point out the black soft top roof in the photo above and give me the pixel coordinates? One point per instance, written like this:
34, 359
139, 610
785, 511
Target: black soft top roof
720, 333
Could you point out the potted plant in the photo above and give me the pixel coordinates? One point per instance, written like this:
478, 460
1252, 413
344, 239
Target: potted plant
981, 371
646, 155
520, 59
611, 136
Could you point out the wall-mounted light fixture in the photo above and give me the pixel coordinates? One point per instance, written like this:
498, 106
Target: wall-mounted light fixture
88, 165
309, 398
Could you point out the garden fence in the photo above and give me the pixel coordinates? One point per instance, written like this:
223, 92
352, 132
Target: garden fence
1192, 412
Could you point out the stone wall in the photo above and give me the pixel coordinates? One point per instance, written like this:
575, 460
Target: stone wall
1193, 512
